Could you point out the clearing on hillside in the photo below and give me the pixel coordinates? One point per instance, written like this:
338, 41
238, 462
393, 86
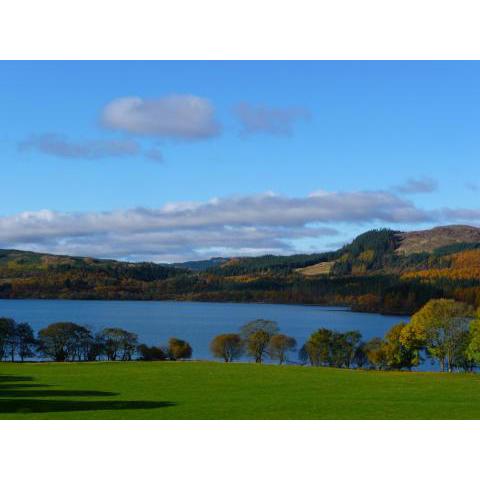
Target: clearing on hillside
322, 268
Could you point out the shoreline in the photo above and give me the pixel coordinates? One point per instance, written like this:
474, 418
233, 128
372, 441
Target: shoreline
346, 308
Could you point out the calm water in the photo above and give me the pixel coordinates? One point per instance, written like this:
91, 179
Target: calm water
197, 323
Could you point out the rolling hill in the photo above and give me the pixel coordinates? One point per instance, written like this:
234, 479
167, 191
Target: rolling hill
431, 240
40, 275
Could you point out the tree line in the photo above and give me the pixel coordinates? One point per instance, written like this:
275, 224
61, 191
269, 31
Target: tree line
443, 331
261, 339
69, 342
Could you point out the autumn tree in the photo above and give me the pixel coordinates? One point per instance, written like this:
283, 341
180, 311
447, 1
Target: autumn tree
279, 346
441, 326
473, 348
376, 354
400, 354
256, 335
343, 347
179, 349
256, 345
227, 346
317, 348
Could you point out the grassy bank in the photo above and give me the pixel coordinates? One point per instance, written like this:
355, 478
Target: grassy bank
207, 390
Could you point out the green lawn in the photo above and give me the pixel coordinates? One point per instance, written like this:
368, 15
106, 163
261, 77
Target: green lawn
208, 390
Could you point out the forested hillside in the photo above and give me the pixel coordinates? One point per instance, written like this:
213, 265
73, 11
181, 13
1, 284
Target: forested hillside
381, 270
35, 275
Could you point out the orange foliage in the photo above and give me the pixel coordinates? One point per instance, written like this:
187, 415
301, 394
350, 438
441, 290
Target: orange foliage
464, 266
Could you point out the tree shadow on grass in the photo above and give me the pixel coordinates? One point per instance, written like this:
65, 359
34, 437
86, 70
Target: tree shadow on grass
22, 393
15, 398
15, 378
25, 406
11, 386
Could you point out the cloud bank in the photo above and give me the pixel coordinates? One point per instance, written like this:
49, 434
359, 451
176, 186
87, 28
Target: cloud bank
255, 119
221, 226
184, 117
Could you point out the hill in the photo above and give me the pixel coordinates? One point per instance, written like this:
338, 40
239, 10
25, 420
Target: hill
389, 251
431, 240
209, 390
29, 274
200, 265
381, 270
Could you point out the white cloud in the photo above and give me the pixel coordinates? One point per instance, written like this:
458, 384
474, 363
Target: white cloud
175, 116
267, 223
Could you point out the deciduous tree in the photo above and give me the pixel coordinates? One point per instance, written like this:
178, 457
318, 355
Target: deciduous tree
279, 346
151, 353
256, 335
267, 326
473, 348
119, 344
26, 341
179, 349
441, 326
376, 354
317, 348
60, 341
7, 335
227, 346
400, 354
256, 345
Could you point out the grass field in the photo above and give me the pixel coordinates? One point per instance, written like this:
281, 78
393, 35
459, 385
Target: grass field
208, 390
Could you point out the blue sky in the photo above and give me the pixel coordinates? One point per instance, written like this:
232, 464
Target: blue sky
243, 147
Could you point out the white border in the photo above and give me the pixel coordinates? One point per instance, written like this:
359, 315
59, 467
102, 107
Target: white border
248, 29
260, 29
238, 450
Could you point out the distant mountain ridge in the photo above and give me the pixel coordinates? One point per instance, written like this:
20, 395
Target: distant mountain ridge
200, 265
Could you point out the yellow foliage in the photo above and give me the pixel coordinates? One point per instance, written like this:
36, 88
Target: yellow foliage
359, 269
367, 256
242, 278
